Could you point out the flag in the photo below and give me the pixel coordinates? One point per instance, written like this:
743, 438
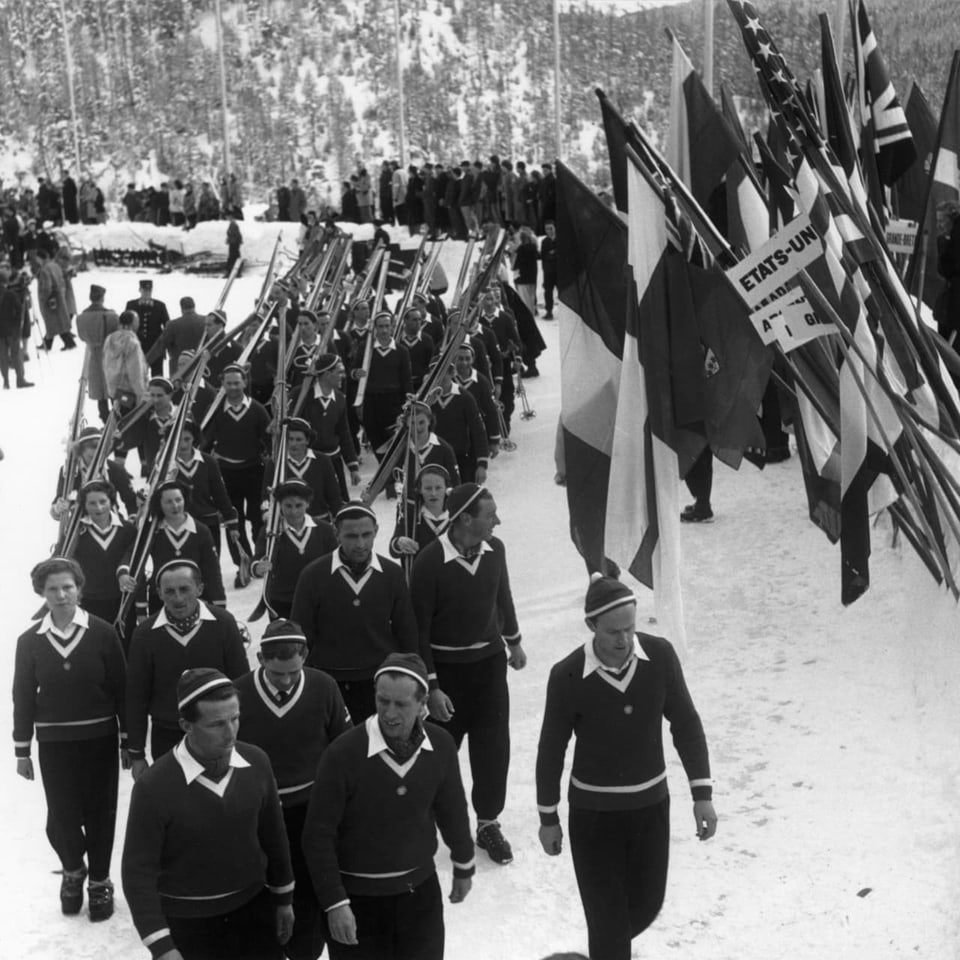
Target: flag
595, 287
615, 130
701, 145
729, 108
894, 151
642, 531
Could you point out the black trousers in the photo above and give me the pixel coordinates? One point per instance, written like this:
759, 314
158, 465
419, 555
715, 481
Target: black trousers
243, 487
700, 478
405, 926
467, 465
481, 699
380, 413
11, 358
549, 285
307, 940
247, 933
620, 860
341, 473
80, 779
507, 391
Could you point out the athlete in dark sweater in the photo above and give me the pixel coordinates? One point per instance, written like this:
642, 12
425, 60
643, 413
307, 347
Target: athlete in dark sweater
293, 714
206, 862
388, 381
613, 694
465, 613
186, 633
381, 792
355, 609
68, 689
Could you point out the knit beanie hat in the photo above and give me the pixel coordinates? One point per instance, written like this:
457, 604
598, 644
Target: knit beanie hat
460, 498
293, 488
173, 564
283, 631
605, 593
355, 510
196, 682
408, 663
327, 361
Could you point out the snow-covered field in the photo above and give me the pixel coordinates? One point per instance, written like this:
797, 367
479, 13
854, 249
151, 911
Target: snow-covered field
834, 733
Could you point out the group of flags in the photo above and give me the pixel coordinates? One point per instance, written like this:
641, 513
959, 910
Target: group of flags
733, 273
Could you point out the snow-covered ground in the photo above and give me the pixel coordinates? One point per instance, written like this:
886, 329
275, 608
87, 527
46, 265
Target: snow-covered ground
834, 733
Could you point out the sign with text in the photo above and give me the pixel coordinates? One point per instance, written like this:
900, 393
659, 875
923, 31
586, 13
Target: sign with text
791, 320
767, 272
901, 236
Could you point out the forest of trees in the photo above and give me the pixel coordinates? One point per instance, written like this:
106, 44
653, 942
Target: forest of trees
312, 83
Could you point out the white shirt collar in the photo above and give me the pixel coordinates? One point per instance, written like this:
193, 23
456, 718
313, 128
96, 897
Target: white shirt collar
591, 662
309, 455
442, 517
338, 562
115, 521
188, 524
80, 619
276, 691
416, 338
376, 742
238, 406
432, 441
392, 345
471, 379
192, 768
454, 390
450, 552
196, 458
308, 522
162, 620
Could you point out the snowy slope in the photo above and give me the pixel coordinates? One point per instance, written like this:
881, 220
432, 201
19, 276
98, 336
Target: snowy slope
833, 732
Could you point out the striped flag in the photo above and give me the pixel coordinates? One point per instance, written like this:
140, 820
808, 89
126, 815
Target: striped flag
881, 113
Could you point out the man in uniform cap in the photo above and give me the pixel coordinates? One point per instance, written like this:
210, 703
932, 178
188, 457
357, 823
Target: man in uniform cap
381, 792
613, 692
153, 318
206, 862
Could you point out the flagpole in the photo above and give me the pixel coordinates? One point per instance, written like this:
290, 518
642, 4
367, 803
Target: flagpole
396, 42
708, 45
843, 6
68, 62
223, 92
556, 77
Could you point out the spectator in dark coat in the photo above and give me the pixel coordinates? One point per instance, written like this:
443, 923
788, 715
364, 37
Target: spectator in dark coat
71, 211
386, 192
14, 328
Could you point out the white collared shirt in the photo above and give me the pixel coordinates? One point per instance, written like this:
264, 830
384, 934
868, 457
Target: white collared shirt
337, 563
384, 350
162, 620
188, 524
451, 553
242, 406
308, 522
197, 457
592, 663
115, 521
376, 743
80, 619
471, 379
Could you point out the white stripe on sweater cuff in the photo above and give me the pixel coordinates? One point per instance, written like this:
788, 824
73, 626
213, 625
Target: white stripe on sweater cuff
706, 782
553, 808
155, 936
286, 888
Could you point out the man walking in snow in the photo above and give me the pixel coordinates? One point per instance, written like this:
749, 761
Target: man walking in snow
615, 691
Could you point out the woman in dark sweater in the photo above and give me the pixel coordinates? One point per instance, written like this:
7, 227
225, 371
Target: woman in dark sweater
68, 687
432, 517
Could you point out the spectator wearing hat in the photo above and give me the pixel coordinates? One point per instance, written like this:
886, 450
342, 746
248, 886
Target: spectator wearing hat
14, 328
388, 383
125, 368
238, 435
112, 471
94, 325
300, 540
314, 469
209, 501
177, 536
234, 239
613, 694
68, 689
381, 792
182, 333
469, 635
354, 607
432, 516
52, 297
293, 713
187, 632
153, 318
206, 862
